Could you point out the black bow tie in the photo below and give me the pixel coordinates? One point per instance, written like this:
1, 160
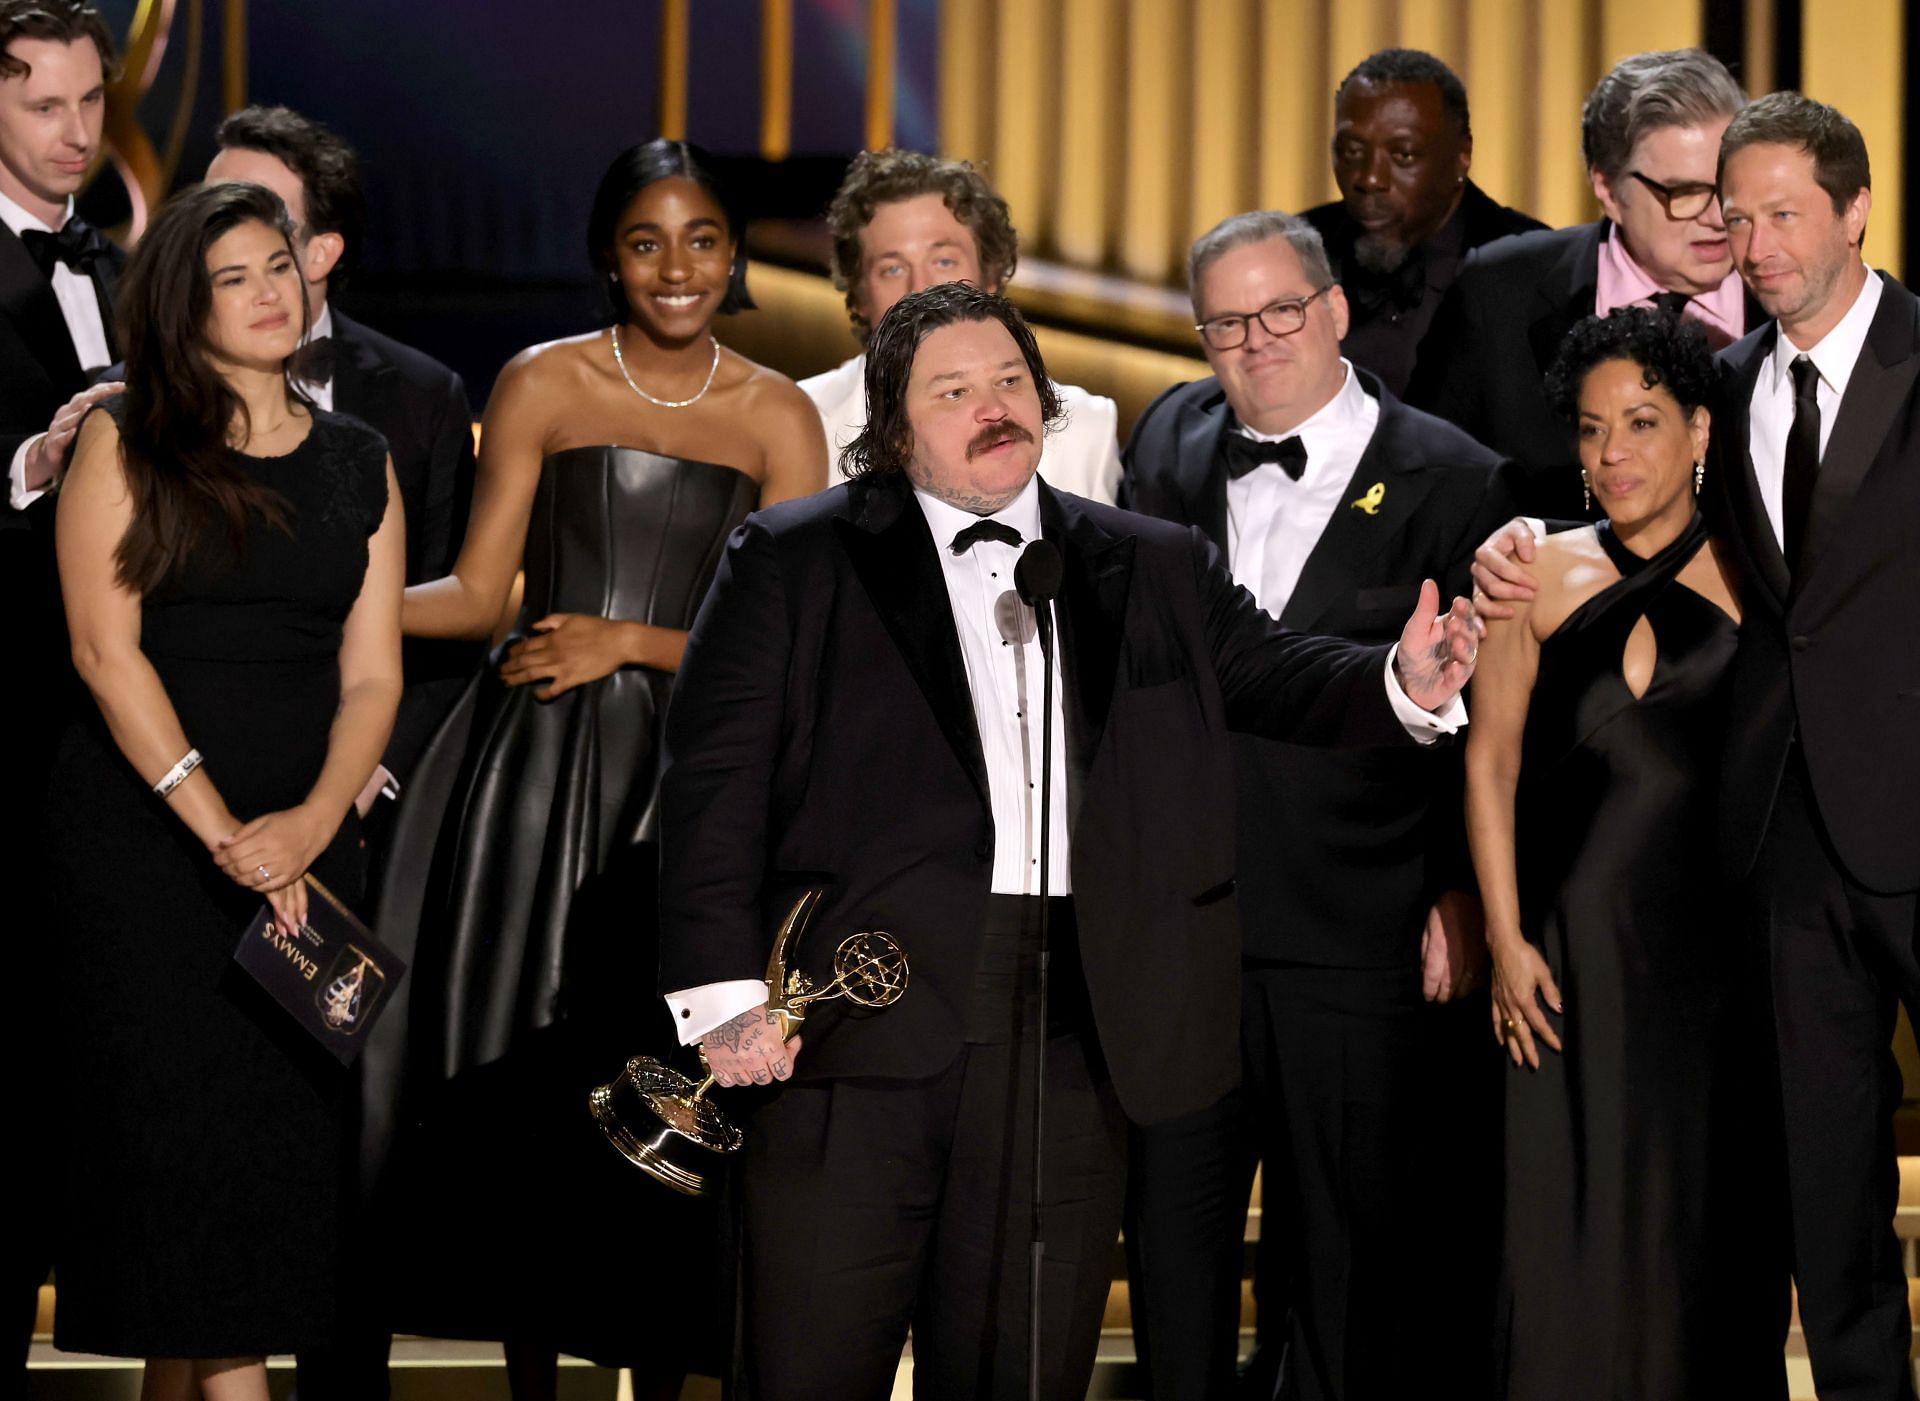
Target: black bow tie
1243, 454
1402, 288
78, 244
984, 530
1670, 303
313, 362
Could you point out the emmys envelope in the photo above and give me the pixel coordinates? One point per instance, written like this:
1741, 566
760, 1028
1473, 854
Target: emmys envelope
331, 974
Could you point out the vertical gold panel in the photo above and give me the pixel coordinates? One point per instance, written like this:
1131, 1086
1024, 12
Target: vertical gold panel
1637, 26
1026, 87
1565, 74
1437, 26
1086, 208
1222, 170
1850, 56
1157, 149
966, 38
233, 57
673, 69
1295, 105
1497, 79
880, 64
1759, 60
1356, 28
776, 79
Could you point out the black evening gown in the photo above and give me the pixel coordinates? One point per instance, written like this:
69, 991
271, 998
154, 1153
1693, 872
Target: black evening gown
1616, 1264
525, 855
203, 1156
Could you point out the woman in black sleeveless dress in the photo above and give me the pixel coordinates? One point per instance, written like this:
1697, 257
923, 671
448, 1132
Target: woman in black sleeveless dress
613, 466
1591, 769
231, 560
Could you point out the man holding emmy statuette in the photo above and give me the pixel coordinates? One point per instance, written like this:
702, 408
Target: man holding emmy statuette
856, 712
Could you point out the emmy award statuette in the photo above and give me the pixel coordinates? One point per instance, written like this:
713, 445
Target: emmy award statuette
662, 1122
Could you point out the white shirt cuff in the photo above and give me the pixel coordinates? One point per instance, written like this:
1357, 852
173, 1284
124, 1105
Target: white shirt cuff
1425, 726
18, 496
696, 1011
1537, 525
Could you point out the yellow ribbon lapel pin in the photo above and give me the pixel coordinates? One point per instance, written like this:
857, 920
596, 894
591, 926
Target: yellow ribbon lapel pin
1370, 503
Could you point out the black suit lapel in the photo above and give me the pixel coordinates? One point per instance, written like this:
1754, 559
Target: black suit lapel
361, 377
106, 278
1732, 430
1356, 535
1093, 604
1565, 295
27, 300
1882, 380
1202, 479
892, 553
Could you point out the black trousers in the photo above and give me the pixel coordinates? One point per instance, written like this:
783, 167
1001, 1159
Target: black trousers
1328, 1099
1839, 961
875, 1207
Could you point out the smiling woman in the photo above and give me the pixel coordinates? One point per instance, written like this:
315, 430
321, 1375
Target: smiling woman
612, 468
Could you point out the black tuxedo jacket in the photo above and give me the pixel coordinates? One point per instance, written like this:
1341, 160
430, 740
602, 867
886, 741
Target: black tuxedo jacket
39, 370
420, 407
1832, 653
1483, 364
821, 729
1341, 852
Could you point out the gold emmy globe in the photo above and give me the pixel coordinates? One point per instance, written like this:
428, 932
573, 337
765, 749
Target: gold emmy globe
662, 1122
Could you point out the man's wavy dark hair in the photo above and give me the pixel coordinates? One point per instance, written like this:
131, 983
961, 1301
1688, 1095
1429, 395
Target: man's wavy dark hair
58, 22
886, 444
1670, 351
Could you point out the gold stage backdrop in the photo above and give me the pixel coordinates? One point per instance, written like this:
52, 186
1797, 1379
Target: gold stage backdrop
1119, 129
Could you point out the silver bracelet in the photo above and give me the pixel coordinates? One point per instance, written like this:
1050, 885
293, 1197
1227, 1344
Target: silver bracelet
177, 775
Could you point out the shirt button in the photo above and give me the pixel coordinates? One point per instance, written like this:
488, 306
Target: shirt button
1801, 642
685, 1013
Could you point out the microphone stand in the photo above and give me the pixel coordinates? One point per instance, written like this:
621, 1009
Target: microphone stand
1037, 578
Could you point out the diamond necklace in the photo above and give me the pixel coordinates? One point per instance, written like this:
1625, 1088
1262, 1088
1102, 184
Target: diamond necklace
621, 361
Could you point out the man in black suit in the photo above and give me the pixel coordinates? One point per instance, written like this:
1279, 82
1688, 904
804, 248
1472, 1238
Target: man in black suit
1650, 132
56, 335
1812, 486
1330, 501
420, 407
855, 709
1408, 214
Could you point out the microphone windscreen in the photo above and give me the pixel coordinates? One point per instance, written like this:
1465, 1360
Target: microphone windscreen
1038, 572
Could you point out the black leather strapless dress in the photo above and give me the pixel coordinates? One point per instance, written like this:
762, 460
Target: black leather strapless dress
524, 856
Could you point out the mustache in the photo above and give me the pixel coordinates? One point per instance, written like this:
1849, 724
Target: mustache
994, 434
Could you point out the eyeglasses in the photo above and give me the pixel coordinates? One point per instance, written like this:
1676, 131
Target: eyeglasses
1276, 318
1684, 201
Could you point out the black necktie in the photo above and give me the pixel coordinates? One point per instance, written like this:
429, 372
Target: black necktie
1803, 459
1671, 303
313, 362
78, 244
1243, 454
984, 530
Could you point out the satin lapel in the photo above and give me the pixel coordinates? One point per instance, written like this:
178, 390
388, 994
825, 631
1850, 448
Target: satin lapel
1732, 429
1092, 610
359, 375
1203, 480
106, 277
892, 553
27, 300
1566, 294
1881, 382
1353, 537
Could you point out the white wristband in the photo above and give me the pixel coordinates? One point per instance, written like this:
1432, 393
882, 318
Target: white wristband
177, 775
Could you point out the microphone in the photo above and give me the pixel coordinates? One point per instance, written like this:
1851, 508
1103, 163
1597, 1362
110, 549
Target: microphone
1037, 577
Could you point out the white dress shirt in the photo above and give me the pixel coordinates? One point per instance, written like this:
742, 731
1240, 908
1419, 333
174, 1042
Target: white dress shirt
1273, 521
1771, 407
1082, 457
80, 308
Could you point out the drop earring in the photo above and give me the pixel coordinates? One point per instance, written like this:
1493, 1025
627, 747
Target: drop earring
1699, 475
1586, 492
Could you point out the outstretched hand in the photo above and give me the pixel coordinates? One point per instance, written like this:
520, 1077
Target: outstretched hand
1437, 650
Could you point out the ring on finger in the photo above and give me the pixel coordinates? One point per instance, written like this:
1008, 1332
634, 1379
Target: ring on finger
265, 874
1508, 1032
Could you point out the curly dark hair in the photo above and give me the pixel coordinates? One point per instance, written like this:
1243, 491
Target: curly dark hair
1670, 351
886, 443
887, 177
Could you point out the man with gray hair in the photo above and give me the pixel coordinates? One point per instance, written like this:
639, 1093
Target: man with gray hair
1650, 133
1331, 501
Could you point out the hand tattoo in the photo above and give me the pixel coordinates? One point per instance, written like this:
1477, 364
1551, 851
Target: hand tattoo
741, 1034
